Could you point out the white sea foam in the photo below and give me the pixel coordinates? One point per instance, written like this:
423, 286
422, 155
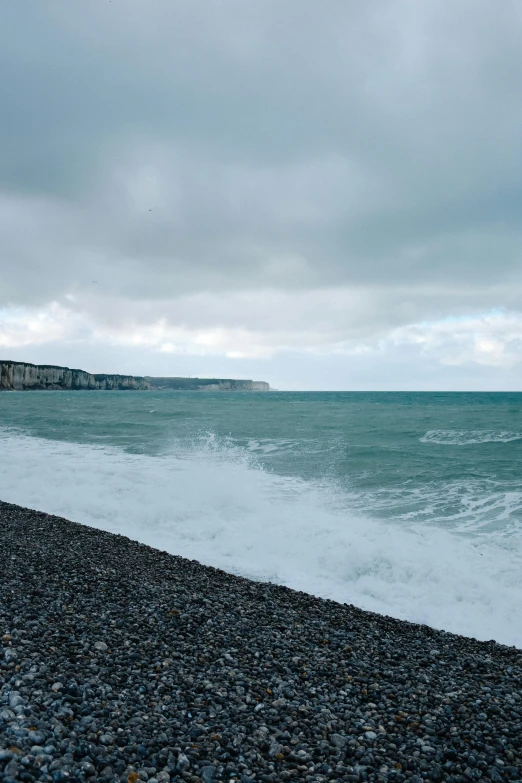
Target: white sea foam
469, 437
468, 505
222, 510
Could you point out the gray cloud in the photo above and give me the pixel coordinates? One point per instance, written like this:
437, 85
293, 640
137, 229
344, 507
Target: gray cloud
176, 150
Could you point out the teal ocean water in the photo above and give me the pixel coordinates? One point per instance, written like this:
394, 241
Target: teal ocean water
408, 504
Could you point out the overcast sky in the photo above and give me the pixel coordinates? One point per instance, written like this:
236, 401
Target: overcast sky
321, 195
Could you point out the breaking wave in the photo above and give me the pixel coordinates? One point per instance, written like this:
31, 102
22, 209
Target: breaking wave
469, 437
219, 506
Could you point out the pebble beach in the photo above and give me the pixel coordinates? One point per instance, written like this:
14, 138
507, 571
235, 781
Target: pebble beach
119, 662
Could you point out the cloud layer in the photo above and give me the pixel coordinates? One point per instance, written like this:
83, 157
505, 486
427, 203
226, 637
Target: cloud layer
251, 180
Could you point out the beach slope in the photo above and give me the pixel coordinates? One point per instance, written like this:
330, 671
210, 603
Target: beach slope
121, 662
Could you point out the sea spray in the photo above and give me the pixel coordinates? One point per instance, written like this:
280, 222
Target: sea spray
225, 510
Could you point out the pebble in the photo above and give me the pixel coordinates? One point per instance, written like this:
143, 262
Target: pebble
15, 700
122, 663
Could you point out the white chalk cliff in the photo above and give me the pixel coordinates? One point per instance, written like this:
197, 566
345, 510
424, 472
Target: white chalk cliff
22, 376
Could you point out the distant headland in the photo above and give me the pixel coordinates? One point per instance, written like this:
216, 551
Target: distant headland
22, 376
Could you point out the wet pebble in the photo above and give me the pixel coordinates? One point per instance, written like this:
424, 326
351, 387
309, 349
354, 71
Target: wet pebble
122, 663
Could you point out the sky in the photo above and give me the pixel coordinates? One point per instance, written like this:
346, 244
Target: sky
322, 196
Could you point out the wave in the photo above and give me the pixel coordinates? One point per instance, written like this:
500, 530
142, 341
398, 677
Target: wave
469, 437
221, 508
476, 507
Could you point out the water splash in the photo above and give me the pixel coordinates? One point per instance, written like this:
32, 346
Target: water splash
215, 504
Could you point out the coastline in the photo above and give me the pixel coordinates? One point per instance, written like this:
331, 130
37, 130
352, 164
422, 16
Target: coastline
24, 376
121, 662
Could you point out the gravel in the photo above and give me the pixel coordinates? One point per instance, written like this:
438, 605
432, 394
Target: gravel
119, 662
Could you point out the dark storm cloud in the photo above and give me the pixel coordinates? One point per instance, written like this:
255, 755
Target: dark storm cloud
164, 149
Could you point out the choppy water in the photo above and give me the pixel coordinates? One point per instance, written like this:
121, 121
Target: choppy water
409, 504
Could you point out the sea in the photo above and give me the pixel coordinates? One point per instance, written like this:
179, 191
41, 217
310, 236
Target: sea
405, 504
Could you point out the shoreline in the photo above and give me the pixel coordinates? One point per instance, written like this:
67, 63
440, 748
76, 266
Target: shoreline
122, 662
